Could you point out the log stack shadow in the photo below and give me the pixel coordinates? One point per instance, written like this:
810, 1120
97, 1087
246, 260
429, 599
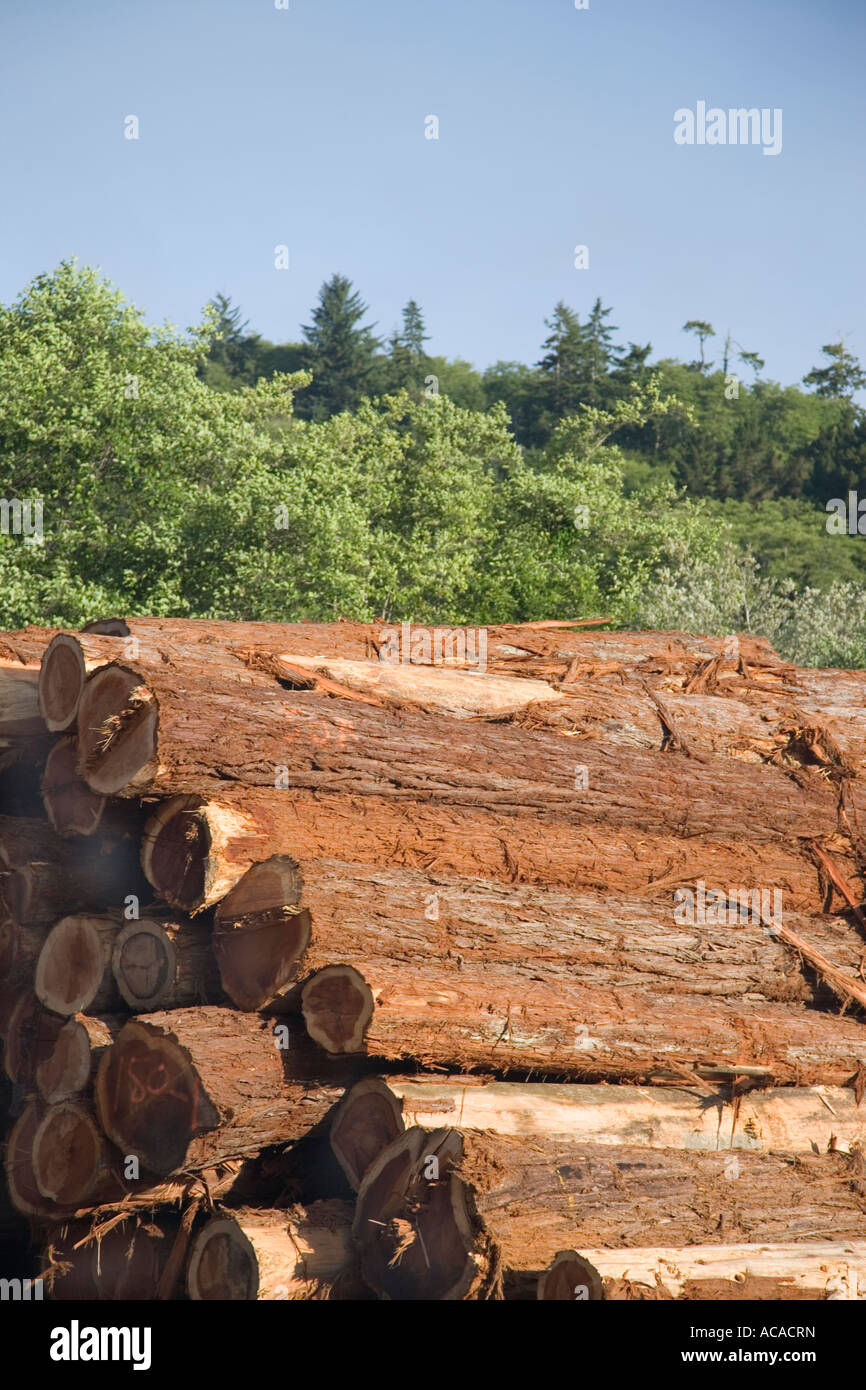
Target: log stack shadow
325, 977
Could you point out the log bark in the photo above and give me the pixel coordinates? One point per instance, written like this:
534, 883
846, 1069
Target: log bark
469, 974
459, 694
302, 1253
425, 1228
194, 1087
169, 740
47, 877
195, 850
832, 1270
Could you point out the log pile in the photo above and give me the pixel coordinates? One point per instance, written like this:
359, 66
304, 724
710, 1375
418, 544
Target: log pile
343, 962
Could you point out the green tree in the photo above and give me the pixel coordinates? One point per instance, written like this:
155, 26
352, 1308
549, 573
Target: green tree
841, 376
702, 331
341, 350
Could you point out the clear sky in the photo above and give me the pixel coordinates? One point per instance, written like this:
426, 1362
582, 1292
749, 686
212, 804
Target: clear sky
305, 126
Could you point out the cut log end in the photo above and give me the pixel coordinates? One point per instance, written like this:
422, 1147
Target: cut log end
31, 1035
117, 731
222, 1264
72, 963
174, 854
65, 1071
150, 1099
416, 1227
368, 1119
337, 1004
261, 932
69, 1155
61, 682
71, 806
569, 1278
144, 962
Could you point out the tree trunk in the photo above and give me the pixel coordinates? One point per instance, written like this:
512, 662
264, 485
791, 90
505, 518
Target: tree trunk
170, 738
437, 1207
833, 1270
48, 878
195, 1087
30, 1037
195, 849
73, 1164
790, 1118
71, 807
468, 974
19, 700
261, 930
302, 1253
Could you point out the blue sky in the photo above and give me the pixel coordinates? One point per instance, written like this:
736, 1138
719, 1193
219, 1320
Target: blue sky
305, 127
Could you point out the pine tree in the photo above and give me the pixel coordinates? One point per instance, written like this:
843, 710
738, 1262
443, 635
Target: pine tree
232, 352
842, 376
412, 335
562, 360
340, 350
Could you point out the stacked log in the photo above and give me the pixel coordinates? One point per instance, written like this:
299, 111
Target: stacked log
330, 973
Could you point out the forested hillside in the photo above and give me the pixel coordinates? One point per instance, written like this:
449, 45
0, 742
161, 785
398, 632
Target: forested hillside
212, 473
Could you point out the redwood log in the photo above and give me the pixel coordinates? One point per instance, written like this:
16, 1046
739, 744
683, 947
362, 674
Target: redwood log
19, 702
163, 961
73, 1164
261, 930
31, 1035
368, 1118
302, 1253
73, 973
570, 1277
440, 1213
48, 877
469, 974
109, 1260
460, 694
195, 1087
195, 850
166, 739
789, 1118
832, 1270
67, 1069
72, 808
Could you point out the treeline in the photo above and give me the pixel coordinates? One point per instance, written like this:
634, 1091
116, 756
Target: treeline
741, 437
211, 474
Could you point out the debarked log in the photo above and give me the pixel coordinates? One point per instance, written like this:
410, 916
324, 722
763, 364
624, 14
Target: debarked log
301, 1253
